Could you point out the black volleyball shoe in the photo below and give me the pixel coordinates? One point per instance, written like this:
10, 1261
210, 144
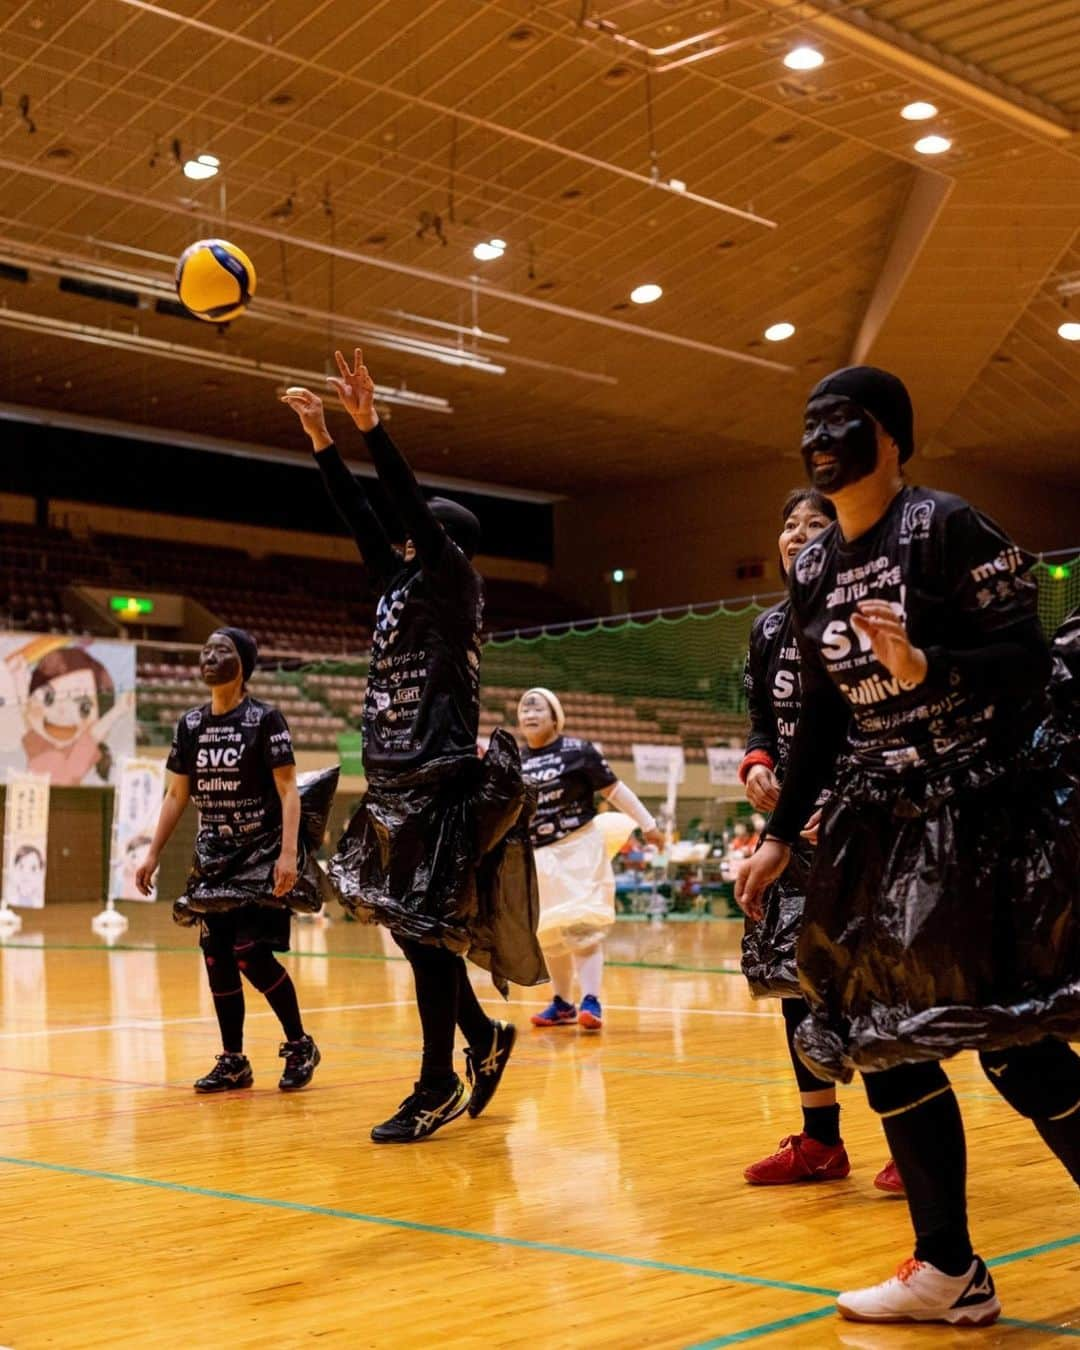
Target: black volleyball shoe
301, 1060
485, 1071
229, 1073
423, 1112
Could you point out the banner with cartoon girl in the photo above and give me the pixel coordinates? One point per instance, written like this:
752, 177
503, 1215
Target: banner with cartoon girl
139, 789
26, 839
67, 707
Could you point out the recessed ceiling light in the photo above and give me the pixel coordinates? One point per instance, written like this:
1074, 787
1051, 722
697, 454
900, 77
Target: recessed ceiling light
804, 58
918, 112
203, 166
1070, 331
489, 250
933, 145
645, 295
780, 332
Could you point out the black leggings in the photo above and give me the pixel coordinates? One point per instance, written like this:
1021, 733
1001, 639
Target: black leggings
227, 954
795, 1009
926, 1134
445, 1000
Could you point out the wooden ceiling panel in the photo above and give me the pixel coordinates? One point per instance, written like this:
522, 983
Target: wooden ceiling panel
345, 130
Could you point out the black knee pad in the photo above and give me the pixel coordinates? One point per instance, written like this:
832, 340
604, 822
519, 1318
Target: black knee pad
893, 1091
258, 963
1039, 1081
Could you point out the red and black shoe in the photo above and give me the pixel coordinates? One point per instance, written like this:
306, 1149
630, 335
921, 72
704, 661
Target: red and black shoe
889, 1180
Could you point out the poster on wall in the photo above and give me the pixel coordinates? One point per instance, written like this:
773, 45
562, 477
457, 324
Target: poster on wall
724, 761
67, 707
26, 839
139, 788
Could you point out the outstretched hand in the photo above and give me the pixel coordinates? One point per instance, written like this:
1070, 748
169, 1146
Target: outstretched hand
887, 634
356, 390
309, 408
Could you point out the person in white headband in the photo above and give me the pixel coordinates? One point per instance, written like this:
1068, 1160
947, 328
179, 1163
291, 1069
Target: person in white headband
573, 854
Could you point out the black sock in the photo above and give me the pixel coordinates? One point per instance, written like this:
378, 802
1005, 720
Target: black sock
474, 1022
228, 992
275, 984
1063, 1136
436, 976
927, 1142
822, 1123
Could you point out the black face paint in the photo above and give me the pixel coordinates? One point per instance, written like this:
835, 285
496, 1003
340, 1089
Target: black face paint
219, 664
847, 434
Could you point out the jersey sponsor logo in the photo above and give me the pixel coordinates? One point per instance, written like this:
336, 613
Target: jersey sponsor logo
252, 716
785, 730
836, 638
771, 625
280, 737
1008, 560
226, 757
915, 522
810, 563
193, 718
785, 684
216, 784
875, 689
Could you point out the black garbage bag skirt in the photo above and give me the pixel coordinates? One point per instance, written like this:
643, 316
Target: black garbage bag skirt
229, 873
769, 946
944, 917
440, 854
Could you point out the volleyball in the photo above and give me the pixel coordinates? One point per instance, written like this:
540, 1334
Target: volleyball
215, 280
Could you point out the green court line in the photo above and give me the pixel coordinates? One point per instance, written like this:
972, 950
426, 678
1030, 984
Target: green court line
411, 1225
328, 956
1040, 1250
764, 1329
1049, 1327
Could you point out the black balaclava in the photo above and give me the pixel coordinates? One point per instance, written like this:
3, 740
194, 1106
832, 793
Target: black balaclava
246, 648
886, 399
458, 522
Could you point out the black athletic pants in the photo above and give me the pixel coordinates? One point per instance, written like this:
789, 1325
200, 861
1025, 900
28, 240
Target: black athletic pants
445, 1000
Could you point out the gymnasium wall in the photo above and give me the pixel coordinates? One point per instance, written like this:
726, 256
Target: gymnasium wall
685, 537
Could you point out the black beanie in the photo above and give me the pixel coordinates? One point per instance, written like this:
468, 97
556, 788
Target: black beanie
458, 522
246, 648
884, 396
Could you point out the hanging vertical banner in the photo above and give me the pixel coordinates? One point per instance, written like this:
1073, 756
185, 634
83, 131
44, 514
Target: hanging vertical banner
26, 839
139, 787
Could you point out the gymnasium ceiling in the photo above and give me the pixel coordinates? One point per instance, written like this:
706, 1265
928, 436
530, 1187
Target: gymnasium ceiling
367, 145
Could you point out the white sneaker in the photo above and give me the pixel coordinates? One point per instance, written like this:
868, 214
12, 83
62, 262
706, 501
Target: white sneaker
919, 1292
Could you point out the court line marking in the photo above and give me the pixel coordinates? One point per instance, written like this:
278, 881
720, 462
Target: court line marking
412, 1225
336, 956
765, 1329
155, 1024
800, 1319
527, 1244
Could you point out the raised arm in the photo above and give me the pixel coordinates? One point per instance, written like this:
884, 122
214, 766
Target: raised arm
348, 497
356, 390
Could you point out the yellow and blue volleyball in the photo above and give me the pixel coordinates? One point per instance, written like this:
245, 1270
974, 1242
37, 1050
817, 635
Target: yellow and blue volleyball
215, 280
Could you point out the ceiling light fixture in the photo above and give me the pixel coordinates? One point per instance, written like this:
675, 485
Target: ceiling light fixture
646, 294
203, 166
933, 145
918, 111
1070, 331
779, 332
804, 58
489, 250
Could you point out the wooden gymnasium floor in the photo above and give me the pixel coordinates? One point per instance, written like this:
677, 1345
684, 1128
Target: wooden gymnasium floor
600, 1203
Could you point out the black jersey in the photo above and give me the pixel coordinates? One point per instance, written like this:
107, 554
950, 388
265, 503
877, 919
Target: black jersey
230, 760
960, 584
423, 691
771, 681
567, 775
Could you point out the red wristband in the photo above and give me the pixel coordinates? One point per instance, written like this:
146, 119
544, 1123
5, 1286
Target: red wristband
754, 757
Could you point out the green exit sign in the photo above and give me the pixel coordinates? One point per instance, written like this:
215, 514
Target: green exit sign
131, 604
